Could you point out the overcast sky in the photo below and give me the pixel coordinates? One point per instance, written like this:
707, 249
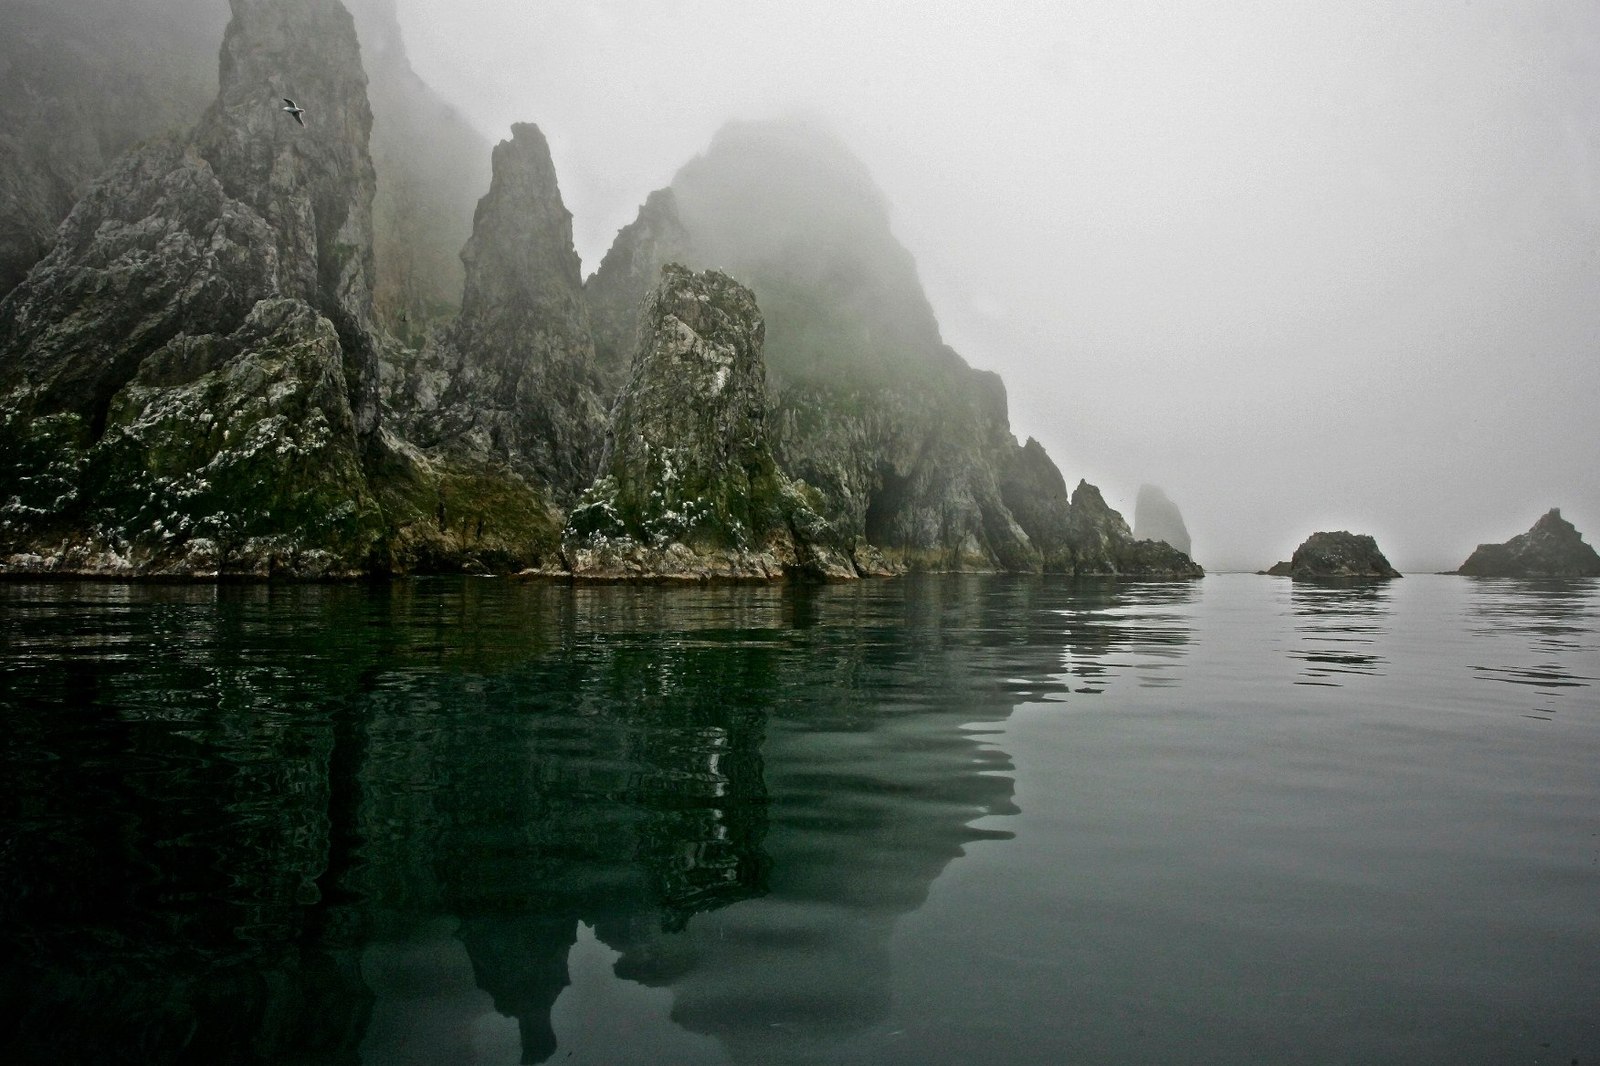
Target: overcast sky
1307, 265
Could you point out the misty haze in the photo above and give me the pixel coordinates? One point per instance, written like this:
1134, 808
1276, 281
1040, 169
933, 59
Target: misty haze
698, 532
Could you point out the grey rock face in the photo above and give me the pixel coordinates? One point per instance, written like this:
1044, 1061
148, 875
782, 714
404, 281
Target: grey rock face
1336, 555
1552, 548
313, 184
82, 81
1155, 517
227, 276
156, 249
515, 378
689, 487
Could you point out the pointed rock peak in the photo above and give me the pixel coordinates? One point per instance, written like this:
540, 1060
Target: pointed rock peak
1087, 495
527, 151
521, 263
1036, 466
273, 50
1552, 519
629, 271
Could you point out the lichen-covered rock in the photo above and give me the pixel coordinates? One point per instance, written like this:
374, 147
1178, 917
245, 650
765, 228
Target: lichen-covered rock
443, 514
514, 380
1336, 555
225, 454
1155, 517
1552, 548
689, 487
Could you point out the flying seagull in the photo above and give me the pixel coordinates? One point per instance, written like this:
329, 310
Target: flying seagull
294, 110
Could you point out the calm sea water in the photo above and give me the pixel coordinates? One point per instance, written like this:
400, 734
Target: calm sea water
944, 820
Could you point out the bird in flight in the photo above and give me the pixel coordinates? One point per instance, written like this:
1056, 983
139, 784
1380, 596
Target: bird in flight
295, 110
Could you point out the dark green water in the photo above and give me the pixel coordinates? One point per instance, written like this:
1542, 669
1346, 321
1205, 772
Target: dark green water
924, 821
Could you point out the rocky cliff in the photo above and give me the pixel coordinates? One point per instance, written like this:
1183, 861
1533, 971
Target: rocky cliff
909, 449
1552, 548
1155, 517
195, 380
688, 484
1336, 555
187, 380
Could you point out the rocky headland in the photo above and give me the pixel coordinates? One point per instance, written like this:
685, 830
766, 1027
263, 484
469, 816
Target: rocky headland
1336, 555
1552, 548
211, 371
908, 450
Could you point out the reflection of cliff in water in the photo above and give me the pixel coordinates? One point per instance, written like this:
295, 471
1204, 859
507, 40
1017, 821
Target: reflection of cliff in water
1338, 625
1108, 628
321, 824
248, 817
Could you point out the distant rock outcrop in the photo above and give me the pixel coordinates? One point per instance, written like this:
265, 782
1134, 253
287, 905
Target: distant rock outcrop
689, 488
1336, 555
1155, 517
1552, 548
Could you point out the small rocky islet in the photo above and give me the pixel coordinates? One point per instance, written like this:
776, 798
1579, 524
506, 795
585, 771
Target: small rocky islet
209, 371
1553, 547
1336, 555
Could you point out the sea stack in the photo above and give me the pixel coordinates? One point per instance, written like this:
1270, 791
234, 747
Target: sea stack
1155, 517
1337, 555
688, 486
1552, 548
